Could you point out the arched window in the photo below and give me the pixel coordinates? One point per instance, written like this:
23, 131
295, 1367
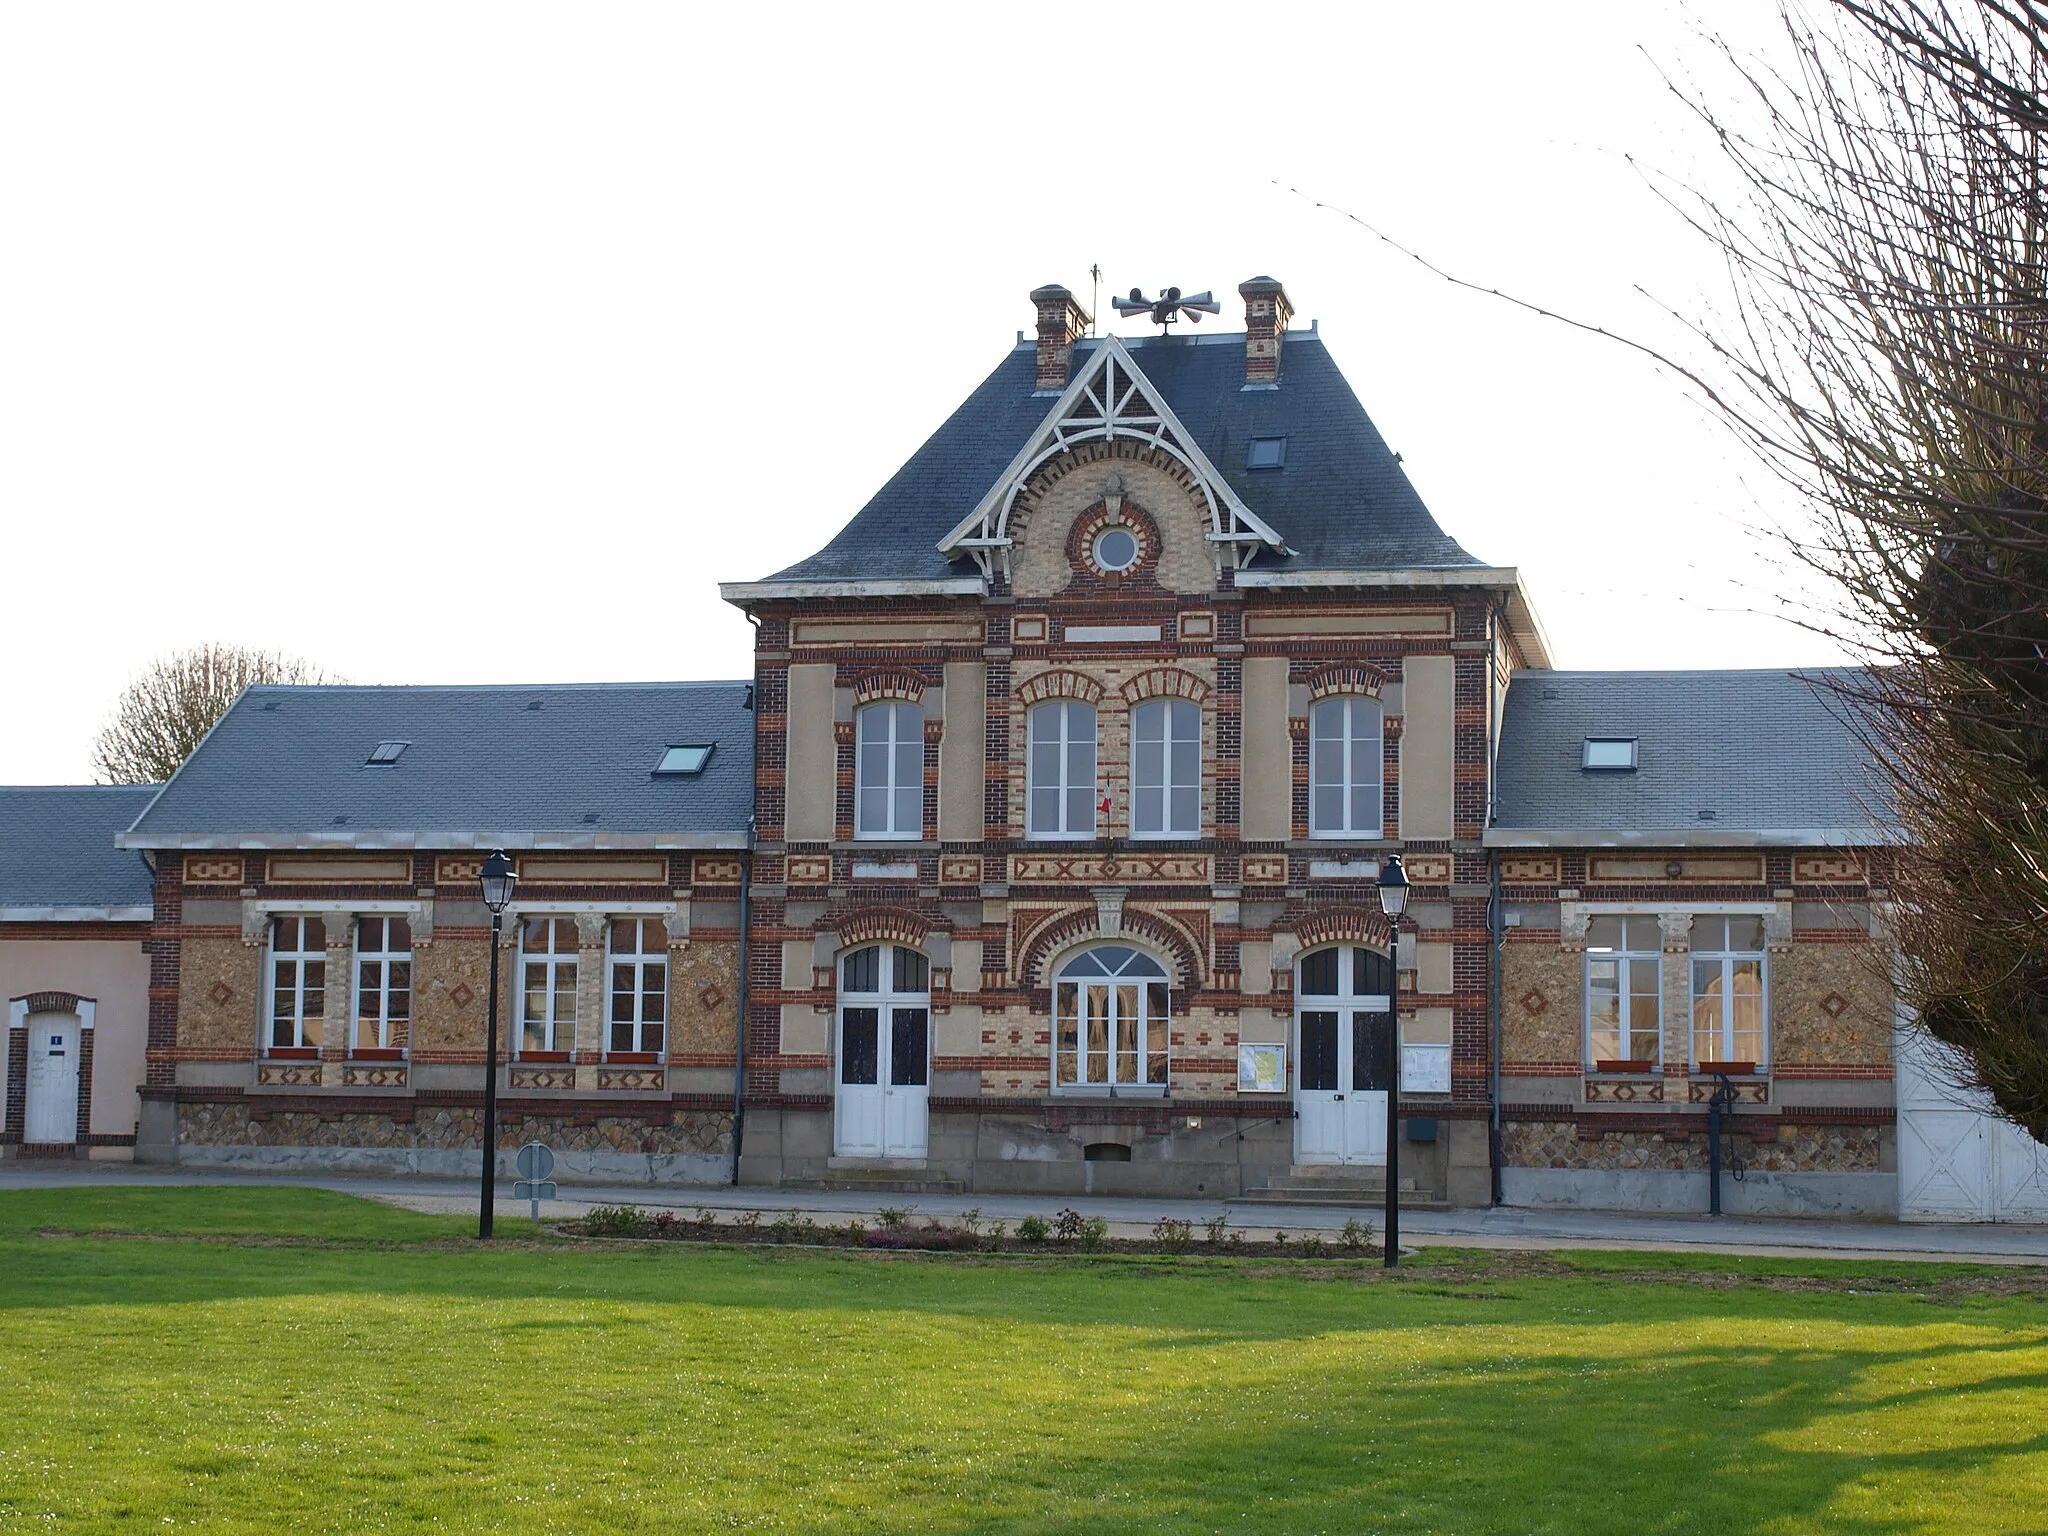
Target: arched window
888, 771
1344, 767
1060, 772
1111, 1010
1166, 769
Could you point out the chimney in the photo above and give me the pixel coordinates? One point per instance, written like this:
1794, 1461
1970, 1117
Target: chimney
1061, 322
1266, 313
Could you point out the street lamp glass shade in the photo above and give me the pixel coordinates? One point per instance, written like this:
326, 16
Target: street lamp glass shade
1393, 887
498, 878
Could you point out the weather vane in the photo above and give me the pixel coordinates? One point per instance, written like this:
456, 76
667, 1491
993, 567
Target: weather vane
1169, 306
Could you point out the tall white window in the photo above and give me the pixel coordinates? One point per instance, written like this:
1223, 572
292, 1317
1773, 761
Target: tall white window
1730, 1016
383, 983
1624, 993
1166, 769
298, 982
1111, 1013
888, 771
1060, 773
638, 1006
1344, 768
547, 1006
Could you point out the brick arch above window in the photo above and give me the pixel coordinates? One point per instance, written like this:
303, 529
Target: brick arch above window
879, 924
1346, 677
885, 683
1059, 938
1059, 685
1165, 683
1340, 925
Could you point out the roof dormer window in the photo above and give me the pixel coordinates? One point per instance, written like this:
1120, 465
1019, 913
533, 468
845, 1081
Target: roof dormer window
386, 752
683, 761
1265, 453
1610, 754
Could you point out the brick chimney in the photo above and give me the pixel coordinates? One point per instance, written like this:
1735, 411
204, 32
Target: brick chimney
1061, 322
1266, 313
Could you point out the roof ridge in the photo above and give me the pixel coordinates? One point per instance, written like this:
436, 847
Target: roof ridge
489, 687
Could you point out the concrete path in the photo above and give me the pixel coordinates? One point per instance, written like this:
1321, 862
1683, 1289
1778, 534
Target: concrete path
1501, 1227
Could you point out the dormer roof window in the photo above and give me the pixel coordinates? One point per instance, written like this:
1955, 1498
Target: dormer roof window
1610, 754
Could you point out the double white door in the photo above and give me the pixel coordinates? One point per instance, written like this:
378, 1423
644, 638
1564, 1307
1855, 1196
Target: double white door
51, 1113
1959, 1159
1344, 1069
884, 1059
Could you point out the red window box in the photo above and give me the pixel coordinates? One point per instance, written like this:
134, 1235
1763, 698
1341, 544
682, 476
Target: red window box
377, 1053
1642, 1068
1728, 1068
542, 1056
632, 1058
293, 1053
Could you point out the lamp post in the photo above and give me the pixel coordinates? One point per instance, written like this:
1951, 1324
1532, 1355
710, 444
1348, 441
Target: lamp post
1393, 902
497, 879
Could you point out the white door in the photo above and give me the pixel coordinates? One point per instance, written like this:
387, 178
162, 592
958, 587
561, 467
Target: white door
883, 1054
1343, 1054
1959, 1160
52, 1108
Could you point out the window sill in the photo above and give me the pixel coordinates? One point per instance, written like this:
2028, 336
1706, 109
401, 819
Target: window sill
542, 1056
632, 1058
1726, 1069
1642, 1068
292, 1053
376, 1053
1104, 1091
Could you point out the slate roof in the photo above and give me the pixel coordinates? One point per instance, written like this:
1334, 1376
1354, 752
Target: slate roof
57, 853
1340, 501
1769, 753
519, 767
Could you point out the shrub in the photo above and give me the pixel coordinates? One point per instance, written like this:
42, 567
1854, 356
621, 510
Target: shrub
854, 1230
1356, 1235
997, 1231
615, 1221
970, 1220
1280, 1239
706, 1217
1033, 1229
1216, 1225
933, 1236
1312, 1247
1173, 1236
1094, 1233
747, 1221
1067, 1224
665, 1223
890, 1217
792, 1227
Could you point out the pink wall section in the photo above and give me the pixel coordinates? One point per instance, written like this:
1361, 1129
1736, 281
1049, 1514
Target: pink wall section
115, 974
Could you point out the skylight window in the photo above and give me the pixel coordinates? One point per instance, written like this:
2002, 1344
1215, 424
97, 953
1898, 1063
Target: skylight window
683, 760
1265, 453
1611, 754
388, 751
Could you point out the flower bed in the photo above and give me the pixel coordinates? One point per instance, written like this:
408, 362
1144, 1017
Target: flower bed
894, 1230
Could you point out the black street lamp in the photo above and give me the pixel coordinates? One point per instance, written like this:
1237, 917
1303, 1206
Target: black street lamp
497, 879
1393, 902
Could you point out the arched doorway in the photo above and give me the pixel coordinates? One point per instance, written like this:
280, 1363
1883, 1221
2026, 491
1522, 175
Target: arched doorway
882, 1065
56, 1045
1343, 1053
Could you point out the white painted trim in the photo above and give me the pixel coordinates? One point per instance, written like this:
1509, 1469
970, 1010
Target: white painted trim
17, 1012
1690, 908
1687, 837
986, 528
1413, 576
325, 842
1107, 634
744, 592
381, 906
520, 909
76, 914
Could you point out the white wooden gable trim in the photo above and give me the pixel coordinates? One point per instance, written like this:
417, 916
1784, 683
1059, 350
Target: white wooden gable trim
1110, 398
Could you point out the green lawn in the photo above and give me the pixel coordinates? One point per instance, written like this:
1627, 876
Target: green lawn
391, 1375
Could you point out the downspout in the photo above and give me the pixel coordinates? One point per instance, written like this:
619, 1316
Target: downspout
739, 1037
1495, 916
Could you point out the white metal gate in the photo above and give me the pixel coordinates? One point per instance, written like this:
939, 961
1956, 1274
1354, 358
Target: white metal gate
51, 1113
1958, 1159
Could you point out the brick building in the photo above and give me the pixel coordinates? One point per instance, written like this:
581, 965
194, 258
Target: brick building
1041, 853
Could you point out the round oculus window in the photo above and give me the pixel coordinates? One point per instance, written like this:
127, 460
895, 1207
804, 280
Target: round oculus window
1116, 549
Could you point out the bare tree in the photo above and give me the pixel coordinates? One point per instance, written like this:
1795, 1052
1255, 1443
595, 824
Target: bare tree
1886, 354
163, 714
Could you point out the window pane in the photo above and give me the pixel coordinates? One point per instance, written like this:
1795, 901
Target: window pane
311, 1027
1603, 1018
862, 971
398, 936
1127, 1034
1644, 1008
1746, 933
398, 990
1365, 801
1185, 816
1372, 1051
315, 933
1604, 933
909, 810
1095, 1067
623, 998
1067, 1008
859, 1045
912, 971
1080, 806
907, 1047
625, 936
1158, 1017
1319, 1051
1706, 1011
1319, 973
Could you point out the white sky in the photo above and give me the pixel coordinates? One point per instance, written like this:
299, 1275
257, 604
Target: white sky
441, 343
